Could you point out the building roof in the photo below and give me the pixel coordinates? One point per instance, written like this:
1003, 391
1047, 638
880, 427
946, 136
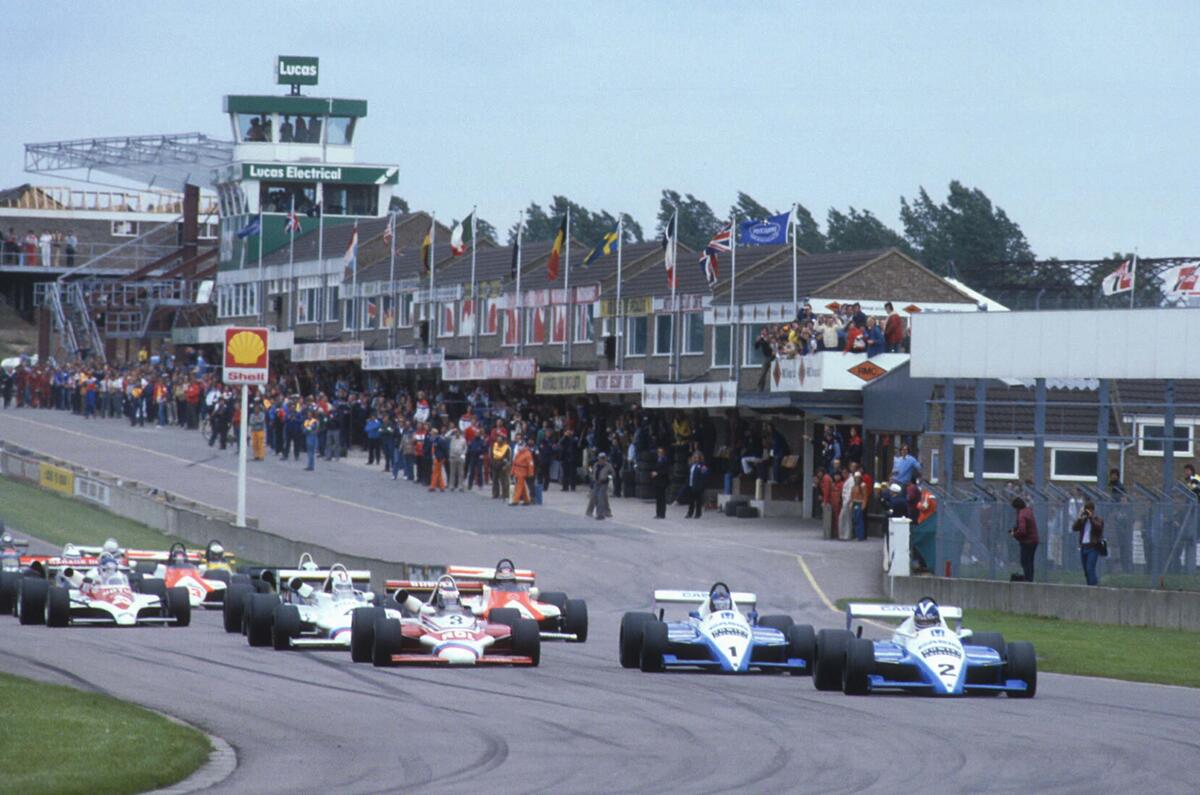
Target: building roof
764, 273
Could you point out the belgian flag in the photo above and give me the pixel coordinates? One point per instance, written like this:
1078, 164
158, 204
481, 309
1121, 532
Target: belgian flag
556, 252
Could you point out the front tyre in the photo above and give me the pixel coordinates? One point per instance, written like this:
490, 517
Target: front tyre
802, 645
31, 603
179, 607
1022, 665
778, 622
389, 638
527, 640
831, 657
860, 662
631, 638
234, 609
285, 627
575, 620
58, 607
654, 646
260, 617
362, 632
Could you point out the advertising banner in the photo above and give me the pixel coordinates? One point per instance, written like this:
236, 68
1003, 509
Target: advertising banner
246, 355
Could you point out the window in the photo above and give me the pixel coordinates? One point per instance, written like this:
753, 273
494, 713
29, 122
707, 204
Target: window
349, 316
535, 327
389, 311
344, 199
999, 463
277, 197
308, 309
1077, 465
208, 230
511, 331
237, 300
124, 228
490, 318
584, 320
558, 324
693, 333
662, 334
722, 351
447, 324
340, 129
332, 304
253, 127
1151, 437
467, 327
935, 464
752, 355
370, 313
636, 338
406, 310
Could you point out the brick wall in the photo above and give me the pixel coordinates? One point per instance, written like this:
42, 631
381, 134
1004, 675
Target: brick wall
891, 276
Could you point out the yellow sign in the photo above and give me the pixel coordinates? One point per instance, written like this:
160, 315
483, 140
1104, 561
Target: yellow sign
634, 307
57, 479
572, 382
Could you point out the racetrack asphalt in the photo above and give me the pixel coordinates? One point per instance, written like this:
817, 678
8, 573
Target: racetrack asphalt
310, 721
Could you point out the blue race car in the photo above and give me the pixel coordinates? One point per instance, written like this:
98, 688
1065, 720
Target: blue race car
924, 655
716, 636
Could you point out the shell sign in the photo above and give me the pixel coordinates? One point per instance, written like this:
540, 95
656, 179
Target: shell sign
246, 355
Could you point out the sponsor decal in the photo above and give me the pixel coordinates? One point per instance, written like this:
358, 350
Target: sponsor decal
729, 630
867, 371
940, 650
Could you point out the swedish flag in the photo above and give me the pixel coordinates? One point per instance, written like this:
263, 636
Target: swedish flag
605, 247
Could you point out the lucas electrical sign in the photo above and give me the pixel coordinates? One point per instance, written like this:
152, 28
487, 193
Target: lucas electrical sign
295, 70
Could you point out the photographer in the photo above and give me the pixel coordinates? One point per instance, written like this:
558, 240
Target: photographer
1026, 534
1092, 545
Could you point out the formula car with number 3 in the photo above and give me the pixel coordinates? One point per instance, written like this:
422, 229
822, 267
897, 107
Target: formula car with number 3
715, 636
924, 655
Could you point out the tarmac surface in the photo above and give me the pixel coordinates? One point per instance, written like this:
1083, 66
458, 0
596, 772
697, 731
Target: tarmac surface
307, 721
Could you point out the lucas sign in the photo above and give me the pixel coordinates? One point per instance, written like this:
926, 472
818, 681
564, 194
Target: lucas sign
295, 70
246, 355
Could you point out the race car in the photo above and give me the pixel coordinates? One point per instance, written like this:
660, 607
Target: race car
924, 655
11, 564
313, 607
206, 581
103, 594
505, 587
446, 631
715, 636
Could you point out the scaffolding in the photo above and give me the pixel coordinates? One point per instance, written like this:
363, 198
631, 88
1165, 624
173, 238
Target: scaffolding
164, 160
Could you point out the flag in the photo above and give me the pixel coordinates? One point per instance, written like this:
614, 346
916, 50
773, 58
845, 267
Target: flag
708, 259
387, 233
457, 244
350, 258
556, 251
427, 248
293, 222
251, 229
1120, 280
605, 247
668, 241
372, 309
767, 232
1182, 280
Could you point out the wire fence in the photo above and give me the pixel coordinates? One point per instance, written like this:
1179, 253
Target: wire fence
1153, 537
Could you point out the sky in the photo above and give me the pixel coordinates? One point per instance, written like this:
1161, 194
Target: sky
1080, 119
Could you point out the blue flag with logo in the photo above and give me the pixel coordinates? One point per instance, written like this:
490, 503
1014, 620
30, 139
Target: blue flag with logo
771, 231
250, 229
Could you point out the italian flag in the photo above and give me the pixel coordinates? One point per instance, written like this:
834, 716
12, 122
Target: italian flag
458, 242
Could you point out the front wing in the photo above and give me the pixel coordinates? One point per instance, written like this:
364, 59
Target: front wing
686, 648
897, 669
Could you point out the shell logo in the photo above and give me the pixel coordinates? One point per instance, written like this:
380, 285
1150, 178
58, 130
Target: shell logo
246, 348
246, 355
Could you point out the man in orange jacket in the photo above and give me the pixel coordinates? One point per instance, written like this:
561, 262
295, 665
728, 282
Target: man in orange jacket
522, 470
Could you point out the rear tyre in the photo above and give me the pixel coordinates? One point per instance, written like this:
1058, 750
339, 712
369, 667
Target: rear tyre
575, 620
58, 607
234, 608
389, 637
260, 617
631, 638
654, 646
780, 623
362, 632
241, 579
527, 640
146, 568
31, 604
509, 616
220, 575
8, 591
179, 607
860, 661
992, 640
261, 586
285, 626
831, 658
802, 644
155, 587
556, 598
1021, 664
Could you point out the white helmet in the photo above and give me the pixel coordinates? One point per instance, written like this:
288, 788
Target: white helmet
447, 594
340, 584
111, 547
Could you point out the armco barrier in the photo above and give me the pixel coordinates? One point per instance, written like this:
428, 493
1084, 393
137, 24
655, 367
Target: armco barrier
193, 522
1135, 607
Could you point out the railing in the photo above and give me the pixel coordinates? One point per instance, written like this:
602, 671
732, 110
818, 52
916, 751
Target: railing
84, 315
58, 197
52, 296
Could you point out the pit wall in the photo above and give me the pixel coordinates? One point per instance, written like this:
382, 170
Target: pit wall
192, 522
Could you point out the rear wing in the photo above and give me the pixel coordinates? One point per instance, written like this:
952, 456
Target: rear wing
484, 573
894, 612
740, 598
423, 588
358, 577
148, 555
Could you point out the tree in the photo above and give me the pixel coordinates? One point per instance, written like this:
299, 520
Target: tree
587, 227
747, 209
697, 222
396, 204
485, 231
962, 234
808, 234
859, 230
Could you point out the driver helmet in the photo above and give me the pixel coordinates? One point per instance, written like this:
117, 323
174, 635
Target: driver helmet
215, 553
70, 551
111, 547
340, 585
108, 567
926, 614
505, 571
720, 600
6, 538
447, 594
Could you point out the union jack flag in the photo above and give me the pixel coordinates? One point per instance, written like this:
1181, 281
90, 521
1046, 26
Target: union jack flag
709, 257
293, 222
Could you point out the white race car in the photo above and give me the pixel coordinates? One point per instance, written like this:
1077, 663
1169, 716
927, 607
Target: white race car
102, 595
924, 655
716, 636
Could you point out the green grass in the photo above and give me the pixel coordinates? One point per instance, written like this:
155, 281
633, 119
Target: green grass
1074, 576
1135, 654
56, 739
59, 520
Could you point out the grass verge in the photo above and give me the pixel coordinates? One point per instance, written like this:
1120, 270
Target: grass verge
117, 747
1135, 654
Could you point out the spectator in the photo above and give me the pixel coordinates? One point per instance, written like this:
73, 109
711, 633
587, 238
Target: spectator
831, 450
697, 479
71, 245
373, 430
660, 479
846, 517
875, 345
602, 474
500, 457
1092, 545
854, 446
1191, 479
858, 501
312, 427
257, 427
439, 451
522, 471
1026, 534
893, 330
905, 467
767, 351
568, 456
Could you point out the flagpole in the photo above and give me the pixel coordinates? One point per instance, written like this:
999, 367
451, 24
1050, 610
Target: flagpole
474, 346
321, 248
392, 281
620, 353
293, 315
1133, 279
566, 356
733, 296
262, 288
354, 279
431, 310
671, 366
518, 316
792, 228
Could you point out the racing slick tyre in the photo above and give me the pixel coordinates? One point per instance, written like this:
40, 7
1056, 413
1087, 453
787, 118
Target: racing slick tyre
831, 657
260, 616
58, 607
154, 587
178, 607
389, 638
504, 615
860, 662
780, 623
575, 620
556, 598
654, 646
992, 640
8, 591
802, 644
362, 632
146, 568
261, 586
1021, 664
31, 603
235, 606
241, 579
631, 638
527, 640
285, 626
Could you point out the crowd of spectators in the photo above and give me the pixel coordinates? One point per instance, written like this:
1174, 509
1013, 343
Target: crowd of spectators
31, 250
